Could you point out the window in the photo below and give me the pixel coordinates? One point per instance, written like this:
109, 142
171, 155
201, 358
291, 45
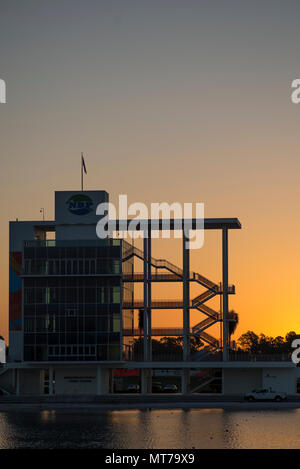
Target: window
29, 296
116, 266
71, 312
29, 353
116, 297
29, 324
90, 295
56, 267
27, 267
100, 295
47, 296
71, 324
69, 267
116, 324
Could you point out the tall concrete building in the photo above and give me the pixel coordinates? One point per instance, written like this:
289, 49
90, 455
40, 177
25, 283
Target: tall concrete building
66, 294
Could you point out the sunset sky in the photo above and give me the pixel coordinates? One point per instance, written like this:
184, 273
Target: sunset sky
169, 100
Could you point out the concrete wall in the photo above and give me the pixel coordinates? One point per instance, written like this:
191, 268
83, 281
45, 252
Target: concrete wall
20, 231
280, 379
15, 346
30, 382
82, 380
241, 380
103, 380
75, 380
76, 232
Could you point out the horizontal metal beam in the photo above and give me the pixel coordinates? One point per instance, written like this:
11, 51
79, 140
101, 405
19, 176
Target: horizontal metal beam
155, 364
209, 223
176, 224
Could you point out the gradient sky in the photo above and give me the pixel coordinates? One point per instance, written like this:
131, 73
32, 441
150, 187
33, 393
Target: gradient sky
170, 100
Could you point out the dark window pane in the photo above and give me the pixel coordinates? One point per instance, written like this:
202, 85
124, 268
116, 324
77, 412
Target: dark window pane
29, 353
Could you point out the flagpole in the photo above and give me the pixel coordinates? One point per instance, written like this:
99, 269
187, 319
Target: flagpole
83, 168
81, 172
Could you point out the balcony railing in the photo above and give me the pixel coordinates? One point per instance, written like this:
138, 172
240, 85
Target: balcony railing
52, 243
67, 266
212, 357
259, 357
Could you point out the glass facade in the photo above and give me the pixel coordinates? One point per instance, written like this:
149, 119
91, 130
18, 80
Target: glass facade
72, 307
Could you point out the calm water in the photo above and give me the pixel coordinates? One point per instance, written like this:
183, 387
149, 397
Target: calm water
199, 428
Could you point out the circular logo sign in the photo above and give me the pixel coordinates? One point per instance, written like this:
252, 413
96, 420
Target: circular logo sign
80, 204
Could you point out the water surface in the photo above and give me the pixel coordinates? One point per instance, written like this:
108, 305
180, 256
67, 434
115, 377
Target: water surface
118, 429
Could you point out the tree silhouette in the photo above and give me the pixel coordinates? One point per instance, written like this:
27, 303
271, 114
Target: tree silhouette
232, 324
253, 343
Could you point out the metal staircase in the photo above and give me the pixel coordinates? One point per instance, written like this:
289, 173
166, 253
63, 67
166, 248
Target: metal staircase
176, 273
5, 391
202, 325
157, 263
205, 352
205, 296
164, 264
204, 381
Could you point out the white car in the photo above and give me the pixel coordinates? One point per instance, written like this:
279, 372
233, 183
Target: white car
133, 388
265, 395
170, 388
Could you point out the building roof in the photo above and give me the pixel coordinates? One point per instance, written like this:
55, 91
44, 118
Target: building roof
159, 224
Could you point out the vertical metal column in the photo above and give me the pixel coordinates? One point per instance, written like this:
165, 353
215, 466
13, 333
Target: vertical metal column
149, 298
51, 380
186, 298
185, 381
145, 297
98, 381
221, 313
145, 376
17, 371
225, 291
111, 381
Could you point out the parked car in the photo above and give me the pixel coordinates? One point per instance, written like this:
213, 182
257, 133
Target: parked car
157, 387
170, 388
265, 395
133, 388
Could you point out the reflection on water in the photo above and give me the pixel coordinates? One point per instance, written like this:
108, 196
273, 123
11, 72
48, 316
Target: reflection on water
197, 428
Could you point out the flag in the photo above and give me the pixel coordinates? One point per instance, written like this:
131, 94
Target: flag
83, 163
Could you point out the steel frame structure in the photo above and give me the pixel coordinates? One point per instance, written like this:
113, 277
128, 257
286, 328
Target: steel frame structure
185, 276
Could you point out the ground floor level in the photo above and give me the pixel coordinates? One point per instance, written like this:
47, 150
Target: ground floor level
98, 379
